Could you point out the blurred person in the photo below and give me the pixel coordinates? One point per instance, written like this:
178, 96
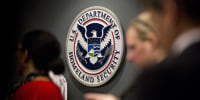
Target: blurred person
60, 81
143, 49
38, 53
142, 43
178, 77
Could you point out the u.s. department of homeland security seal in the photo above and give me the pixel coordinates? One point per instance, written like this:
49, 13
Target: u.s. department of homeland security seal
94, 46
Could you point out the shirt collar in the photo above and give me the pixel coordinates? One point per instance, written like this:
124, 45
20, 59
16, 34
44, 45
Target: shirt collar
185, 40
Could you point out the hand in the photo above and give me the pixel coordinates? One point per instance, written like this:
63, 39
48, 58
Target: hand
99, 96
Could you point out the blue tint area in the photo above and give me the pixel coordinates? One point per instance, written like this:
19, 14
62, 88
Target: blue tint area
90, 47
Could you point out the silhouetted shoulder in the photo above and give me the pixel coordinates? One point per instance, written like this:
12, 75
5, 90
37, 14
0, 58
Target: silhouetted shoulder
175, 78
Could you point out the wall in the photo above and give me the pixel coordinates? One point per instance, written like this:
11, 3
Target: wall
56, 16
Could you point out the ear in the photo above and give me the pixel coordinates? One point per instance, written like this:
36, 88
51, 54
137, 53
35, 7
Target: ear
26, 56
152, 40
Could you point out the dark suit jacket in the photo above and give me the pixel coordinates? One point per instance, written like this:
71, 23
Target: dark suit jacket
177, 78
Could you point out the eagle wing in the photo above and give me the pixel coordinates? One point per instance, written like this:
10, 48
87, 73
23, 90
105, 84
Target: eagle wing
107, 50
105, 31
82, 31
80, 52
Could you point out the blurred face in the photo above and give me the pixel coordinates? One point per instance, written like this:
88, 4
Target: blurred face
139, 52
165, 22
20, 59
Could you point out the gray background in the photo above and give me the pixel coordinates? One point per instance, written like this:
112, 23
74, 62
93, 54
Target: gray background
56, 16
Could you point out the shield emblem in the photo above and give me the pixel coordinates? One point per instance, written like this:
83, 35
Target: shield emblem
93, 46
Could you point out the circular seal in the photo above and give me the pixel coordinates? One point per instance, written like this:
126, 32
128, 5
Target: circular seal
94, 46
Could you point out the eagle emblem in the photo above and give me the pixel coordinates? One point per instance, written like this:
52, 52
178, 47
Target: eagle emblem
93, 58
95, 46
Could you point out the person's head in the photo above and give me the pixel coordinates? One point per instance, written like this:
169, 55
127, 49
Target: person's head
38, 51
142, 43
173, 17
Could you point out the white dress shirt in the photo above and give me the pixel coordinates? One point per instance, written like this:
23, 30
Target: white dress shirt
185, 40
61, 82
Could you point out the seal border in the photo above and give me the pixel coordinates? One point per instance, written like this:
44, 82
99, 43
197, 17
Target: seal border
122, 52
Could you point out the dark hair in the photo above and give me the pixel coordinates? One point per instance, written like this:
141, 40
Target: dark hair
44, 49
190, 7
